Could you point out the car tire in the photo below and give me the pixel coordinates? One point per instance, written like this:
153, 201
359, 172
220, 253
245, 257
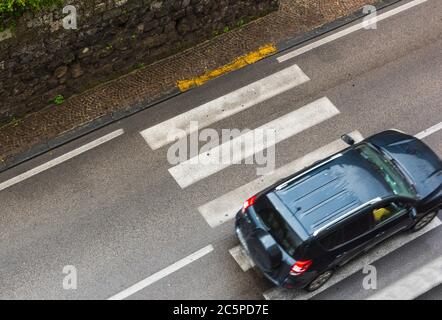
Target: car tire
320, 280
425, 220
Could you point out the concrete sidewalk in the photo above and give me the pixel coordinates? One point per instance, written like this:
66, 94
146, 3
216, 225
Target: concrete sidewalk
25, 138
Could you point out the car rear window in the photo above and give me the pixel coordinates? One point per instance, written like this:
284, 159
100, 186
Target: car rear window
277, 226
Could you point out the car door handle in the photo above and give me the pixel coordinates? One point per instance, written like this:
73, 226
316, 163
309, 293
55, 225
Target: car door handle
380, 235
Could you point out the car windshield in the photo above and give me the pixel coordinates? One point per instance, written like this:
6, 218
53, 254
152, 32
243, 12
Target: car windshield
283, 234
391, 174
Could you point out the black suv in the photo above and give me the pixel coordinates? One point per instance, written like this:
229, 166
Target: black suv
301, 229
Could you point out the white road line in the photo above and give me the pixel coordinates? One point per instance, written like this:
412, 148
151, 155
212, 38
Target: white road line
349, 30
413, 285
239, 254
426, 133
224, 107
204, 165
354, 266
162, 274
63, 158
225, 207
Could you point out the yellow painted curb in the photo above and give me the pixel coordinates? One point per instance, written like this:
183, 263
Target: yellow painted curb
238, 63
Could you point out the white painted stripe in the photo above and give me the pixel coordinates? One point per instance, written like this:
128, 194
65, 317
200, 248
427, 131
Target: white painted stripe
223, 107
349, 30
162, 274
426, 133
413, 285
242, 258
225, 207
204, 165
372, 256
63, 158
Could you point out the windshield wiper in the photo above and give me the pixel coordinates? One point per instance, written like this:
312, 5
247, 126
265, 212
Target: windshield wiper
403, 173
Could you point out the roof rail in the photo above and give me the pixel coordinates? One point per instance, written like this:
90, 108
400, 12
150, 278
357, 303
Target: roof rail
285, 184
328, 225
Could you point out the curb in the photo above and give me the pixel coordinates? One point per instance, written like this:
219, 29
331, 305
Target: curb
237, 64
331, 26
120, 115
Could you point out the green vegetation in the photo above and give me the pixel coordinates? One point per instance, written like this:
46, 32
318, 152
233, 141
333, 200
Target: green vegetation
15, 121
58, 100
240, 23
11, 121
12, 9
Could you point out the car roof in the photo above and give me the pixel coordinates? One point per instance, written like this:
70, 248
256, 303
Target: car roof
332, 189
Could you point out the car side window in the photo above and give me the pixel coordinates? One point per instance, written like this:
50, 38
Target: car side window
351, 230
387, 211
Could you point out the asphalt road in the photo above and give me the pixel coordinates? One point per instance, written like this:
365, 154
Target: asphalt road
117, 214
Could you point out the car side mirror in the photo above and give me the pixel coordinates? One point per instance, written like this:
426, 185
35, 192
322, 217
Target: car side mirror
348, 140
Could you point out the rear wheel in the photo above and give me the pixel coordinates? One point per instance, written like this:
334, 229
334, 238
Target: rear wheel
424, 221
319, 281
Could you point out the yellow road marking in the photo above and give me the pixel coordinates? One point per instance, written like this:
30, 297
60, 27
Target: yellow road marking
238, 63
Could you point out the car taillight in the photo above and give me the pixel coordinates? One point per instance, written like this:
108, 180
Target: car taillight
248, 203
300, 267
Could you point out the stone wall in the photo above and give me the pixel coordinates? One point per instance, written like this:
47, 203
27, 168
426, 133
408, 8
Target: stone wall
41, 59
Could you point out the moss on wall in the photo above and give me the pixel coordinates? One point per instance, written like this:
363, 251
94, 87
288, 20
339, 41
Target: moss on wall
10, 10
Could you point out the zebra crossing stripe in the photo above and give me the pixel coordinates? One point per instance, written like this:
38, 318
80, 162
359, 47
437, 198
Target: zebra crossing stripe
204, 165
225, 106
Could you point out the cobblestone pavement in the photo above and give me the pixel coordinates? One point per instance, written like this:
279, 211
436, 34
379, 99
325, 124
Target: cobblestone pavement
152, 82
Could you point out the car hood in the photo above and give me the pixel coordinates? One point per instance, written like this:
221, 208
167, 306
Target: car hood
418, 161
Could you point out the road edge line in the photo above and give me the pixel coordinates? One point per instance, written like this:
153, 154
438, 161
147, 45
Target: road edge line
162, 273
